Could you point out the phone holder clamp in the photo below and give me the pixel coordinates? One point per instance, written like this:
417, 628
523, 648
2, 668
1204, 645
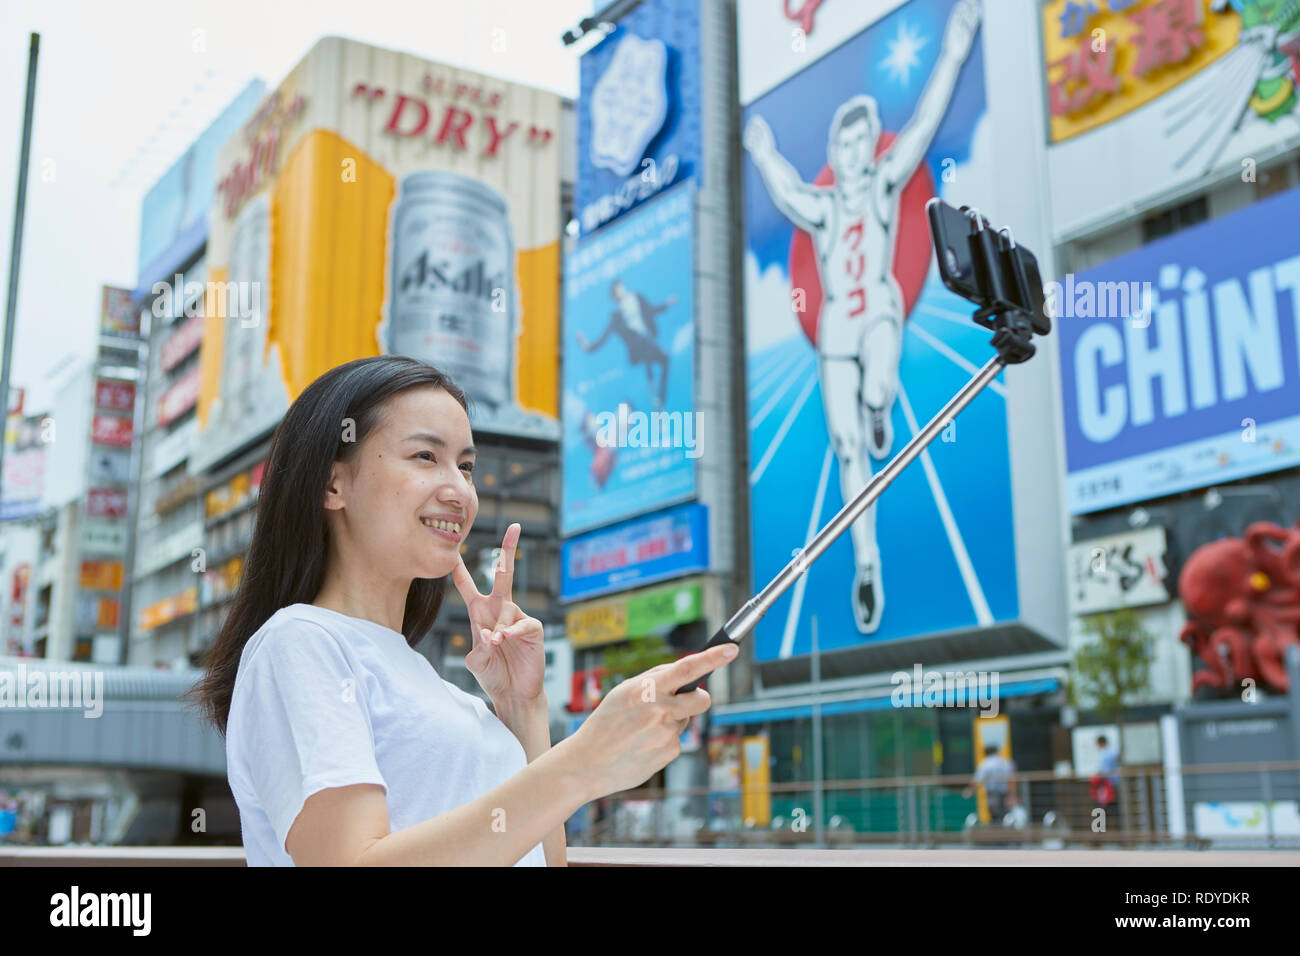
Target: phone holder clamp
1012, 332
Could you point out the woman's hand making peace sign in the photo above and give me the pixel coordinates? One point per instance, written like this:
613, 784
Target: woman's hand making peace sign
507, 658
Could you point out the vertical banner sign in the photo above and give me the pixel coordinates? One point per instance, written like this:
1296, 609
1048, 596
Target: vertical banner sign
639, 112
106, 502
24, 466
631, 436
181, 343
114, 394
116, 314
15, 642
378, 203
113, 430
1179, 92
853, 343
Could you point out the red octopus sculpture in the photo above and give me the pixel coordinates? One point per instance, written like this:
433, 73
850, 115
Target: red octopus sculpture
1242, 597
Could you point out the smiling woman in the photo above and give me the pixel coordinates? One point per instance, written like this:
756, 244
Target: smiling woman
343, 744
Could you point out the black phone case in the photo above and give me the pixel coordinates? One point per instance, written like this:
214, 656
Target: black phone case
953, 230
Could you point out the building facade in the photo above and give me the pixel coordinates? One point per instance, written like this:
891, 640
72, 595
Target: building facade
1178, 303
651, 369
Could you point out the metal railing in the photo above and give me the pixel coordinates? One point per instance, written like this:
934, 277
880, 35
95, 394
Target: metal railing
1248, 805
116, 856
1244, 812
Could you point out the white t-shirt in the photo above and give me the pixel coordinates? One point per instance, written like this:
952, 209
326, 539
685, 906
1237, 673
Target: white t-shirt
323, 700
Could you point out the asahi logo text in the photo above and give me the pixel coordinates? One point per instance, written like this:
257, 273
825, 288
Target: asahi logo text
238, 300
473, 280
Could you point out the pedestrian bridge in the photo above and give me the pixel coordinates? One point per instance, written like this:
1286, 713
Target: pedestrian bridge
61, 713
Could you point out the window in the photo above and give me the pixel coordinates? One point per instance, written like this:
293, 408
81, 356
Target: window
1274, 180
1171, 220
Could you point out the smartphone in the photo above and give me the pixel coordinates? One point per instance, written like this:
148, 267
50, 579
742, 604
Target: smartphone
951, 230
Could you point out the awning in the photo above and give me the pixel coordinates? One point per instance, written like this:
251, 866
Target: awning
884, 701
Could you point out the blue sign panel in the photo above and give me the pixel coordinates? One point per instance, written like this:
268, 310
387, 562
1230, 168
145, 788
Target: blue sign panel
639, 112
654, 548
631, 432
174, 214
852, 343
1180, 365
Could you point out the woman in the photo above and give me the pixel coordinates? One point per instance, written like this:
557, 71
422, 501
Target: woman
343, 745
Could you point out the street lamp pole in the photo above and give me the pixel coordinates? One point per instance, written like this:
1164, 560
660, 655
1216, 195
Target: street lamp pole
16, 247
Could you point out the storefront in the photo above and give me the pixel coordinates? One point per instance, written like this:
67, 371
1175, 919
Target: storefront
880, 754
1181, 426
615, 638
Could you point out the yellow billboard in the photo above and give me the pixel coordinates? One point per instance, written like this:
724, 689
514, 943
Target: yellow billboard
756, 782
380, 203
1150, 99
1104, 65
597, 624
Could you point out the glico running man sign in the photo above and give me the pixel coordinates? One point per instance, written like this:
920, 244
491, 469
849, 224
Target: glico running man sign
852, 342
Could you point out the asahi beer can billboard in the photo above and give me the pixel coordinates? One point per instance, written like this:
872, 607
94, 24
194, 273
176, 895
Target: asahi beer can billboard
379, 203
453, 289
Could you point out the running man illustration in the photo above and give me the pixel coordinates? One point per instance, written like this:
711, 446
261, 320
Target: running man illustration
852, 224
633, 321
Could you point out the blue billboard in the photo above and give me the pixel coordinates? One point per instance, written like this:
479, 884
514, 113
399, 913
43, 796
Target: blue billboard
1180, 365
852, 343
630, 431
174, 214
639, 110
638, 552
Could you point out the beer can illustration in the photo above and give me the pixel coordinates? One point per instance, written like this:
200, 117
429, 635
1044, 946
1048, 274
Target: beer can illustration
246, 296
453, 297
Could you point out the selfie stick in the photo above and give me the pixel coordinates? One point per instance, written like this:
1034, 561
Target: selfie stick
1013, 330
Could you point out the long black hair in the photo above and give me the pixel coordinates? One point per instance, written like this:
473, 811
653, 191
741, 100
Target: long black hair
286, 557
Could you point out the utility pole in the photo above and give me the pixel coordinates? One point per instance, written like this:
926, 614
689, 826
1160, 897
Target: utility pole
819, 797
16, 248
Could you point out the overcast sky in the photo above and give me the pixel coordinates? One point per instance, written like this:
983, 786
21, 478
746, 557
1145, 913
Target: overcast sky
121, 93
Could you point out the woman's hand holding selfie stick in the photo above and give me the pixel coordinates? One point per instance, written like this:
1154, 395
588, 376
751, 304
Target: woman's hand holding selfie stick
636, 729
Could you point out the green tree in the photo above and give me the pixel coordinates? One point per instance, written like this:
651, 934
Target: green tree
1113, 666
1109, 669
